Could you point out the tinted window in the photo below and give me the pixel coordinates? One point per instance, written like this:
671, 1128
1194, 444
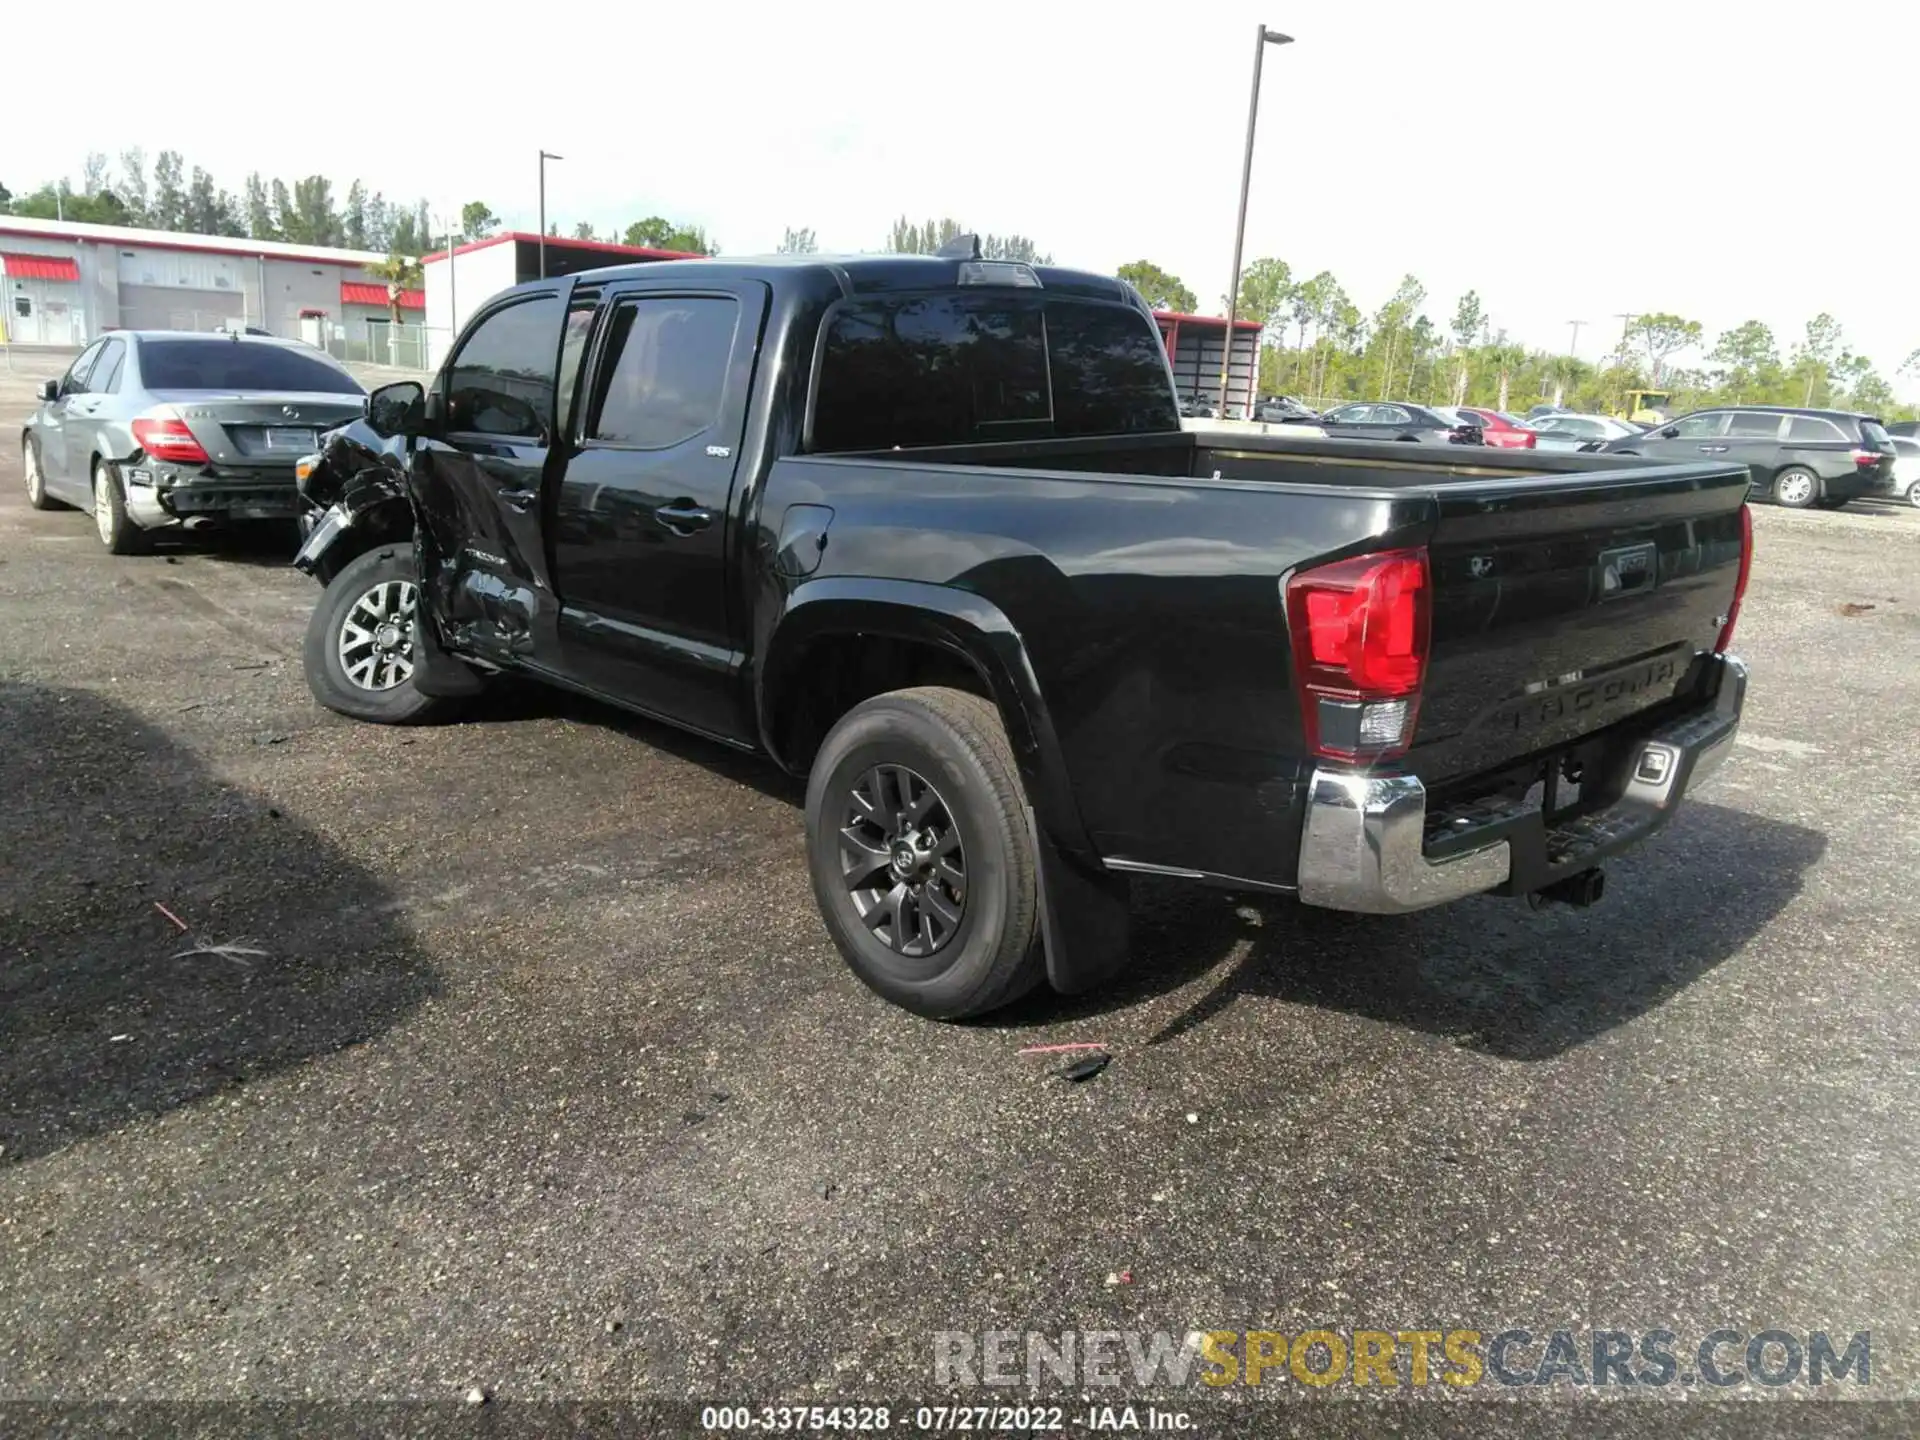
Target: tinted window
1812, 429
1109, 372
501, 382
1872, 432
105, 379
1754, 425
238, 365
664, 370
573, 349
75, 382
1585, 429
1390, 415
1350, 414
1699, 427
953, 368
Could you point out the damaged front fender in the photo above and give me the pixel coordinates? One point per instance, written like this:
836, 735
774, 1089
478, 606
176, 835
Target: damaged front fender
355, 491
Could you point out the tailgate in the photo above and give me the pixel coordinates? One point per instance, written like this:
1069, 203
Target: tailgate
1562, 606
257, 430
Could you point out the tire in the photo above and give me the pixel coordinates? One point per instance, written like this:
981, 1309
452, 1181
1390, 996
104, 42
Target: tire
884, 757
110, 519
36, 477
1913, 494
1796, 487
378, 687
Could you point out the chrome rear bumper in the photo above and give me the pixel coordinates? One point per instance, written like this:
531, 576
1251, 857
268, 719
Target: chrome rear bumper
1363, 847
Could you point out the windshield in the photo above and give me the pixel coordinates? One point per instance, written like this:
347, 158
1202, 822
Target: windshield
236, 365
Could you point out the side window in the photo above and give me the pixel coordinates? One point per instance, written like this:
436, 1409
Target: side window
573, 351
75, 382
1811, 429
1351, 415
1700, 427
1390, 415
501, 382
1755, 425
663, 370
105, 379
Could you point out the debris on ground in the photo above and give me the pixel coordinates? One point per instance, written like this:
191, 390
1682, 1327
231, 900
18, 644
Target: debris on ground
1855, 607
181, 924
1083, 1070
476, 1396
1063, 1049
239, 952
1119, 1277
1193, 1117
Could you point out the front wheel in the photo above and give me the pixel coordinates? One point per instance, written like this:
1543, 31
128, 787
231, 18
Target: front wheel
1796, 487
358, 655
921, 859
1913, 494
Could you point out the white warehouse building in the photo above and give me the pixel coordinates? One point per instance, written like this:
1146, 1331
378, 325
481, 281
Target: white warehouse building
66, 283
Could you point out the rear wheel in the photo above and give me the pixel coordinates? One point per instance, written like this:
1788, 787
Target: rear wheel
358, 655
1913, 494
921, 860
110, 519
1796, 487
37, 495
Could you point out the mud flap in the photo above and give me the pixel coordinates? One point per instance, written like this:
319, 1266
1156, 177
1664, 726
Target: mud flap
1084, 916
437, 673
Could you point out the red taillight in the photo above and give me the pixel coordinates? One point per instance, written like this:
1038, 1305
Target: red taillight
1864, 458
1725, 642
1360, 636
166, 437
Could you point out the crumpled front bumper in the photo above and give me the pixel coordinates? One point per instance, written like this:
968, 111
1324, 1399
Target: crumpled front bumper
1364, 844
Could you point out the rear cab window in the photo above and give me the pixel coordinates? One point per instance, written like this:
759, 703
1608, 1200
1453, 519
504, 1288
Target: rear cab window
952, 368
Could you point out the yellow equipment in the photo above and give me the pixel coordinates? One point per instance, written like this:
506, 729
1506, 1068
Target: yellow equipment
1649, 407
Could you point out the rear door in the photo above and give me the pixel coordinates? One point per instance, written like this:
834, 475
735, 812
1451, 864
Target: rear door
477, 482
1753, 438
643, 516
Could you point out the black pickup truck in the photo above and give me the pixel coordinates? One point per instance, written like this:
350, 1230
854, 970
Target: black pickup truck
927, 530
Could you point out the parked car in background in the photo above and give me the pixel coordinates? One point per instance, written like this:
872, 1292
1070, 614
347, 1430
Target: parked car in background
155, 429
1396, 420
1908, 428
1499, 429
1284, 410
1798, 458
1564, 430
1536, 411
1198, 407
1906, 469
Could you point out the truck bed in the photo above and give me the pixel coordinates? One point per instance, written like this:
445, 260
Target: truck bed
1145, 575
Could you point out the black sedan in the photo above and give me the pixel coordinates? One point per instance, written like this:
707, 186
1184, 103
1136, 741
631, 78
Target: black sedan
1396, 420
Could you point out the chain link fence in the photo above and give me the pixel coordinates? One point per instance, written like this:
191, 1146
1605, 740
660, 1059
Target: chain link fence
377, 342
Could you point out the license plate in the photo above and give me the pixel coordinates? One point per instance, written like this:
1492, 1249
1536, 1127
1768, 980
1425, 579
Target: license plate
281, 438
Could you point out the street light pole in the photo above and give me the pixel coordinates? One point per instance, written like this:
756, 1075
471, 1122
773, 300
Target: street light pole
1574, 348
1263, 38
544, 157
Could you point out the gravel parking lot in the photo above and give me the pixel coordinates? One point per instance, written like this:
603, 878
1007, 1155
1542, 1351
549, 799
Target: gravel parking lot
542, 1077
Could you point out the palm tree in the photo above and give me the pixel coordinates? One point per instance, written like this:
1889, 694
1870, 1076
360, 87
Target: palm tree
402, 273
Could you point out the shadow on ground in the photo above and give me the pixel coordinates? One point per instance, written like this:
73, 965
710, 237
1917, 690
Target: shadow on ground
1489, 974
102, 1019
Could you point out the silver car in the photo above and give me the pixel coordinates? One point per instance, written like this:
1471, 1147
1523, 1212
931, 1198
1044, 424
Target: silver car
158, 429
1568, 431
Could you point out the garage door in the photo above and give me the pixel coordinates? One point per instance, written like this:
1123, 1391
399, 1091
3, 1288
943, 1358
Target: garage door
172, 307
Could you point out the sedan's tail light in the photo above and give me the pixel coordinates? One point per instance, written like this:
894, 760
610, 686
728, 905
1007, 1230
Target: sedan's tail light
165, 436
1725, 642
1360, 630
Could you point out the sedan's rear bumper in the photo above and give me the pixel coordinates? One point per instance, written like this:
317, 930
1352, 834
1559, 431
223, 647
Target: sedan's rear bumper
157, 496
1364, 846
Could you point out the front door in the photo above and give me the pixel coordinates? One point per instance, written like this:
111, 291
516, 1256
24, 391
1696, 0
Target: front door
642, 514
477, 482
57, 419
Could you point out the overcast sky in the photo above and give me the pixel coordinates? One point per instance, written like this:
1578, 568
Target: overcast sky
1721, 160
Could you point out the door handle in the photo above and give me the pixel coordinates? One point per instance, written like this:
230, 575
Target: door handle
1713, 449
683, 517
519, 499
